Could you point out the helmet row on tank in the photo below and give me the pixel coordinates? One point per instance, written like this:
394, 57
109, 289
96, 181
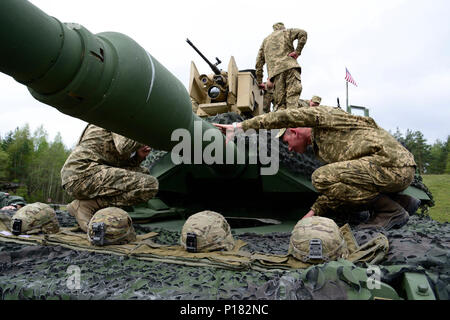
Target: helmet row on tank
314, 239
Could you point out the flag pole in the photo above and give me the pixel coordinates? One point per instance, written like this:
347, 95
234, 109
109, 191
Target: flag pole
346, 87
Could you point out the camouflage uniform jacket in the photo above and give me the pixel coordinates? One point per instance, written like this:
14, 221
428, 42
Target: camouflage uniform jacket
8, 200
98, 147
303, 103
275, 49
339, 136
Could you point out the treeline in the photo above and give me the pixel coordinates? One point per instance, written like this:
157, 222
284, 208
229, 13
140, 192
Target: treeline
34, 162
430, 159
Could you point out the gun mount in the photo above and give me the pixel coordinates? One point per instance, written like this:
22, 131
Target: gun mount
222, 92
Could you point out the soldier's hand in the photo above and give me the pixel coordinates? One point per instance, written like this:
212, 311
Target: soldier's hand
143, 152
293, 54
227, 129
269, 84
8, 208
309, 214
262, 86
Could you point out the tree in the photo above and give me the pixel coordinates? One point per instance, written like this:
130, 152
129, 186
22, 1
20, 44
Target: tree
6, 141
4, 164
415, 142
35, 163
447, 168
20, 149
438, 155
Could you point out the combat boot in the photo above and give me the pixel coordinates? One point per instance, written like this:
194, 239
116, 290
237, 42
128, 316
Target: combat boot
359, 217
83, 210
410, 204
387, 214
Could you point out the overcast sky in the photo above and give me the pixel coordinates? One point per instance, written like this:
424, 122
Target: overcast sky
398, 52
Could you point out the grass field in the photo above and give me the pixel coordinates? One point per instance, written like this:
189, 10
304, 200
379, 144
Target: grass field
439, 186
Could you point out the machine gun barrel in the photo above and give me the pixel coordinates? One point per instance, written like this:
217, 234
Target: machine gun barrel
212, 66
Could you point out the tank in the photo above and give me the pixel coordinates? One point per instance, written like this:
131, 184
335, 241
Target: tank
92, 77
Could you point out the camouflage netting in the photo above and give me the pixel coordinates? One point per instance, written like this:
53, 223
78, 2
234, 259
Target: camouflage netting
38, 272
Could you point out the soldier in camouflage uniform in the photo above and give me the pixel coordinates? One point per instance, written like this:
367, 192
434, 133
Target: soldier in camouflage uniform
277, 51
268, 97
9, 202
103, 171
364, 163
314, 102
194, 105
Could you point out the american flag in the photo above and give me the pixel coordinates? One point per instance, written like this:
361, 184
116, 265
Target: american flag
349, 78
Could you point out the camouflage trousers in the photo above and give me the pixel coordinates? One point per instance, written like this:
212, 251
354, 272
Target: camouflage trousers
116, 187
267, 100
349, 185
194, 106
287, 89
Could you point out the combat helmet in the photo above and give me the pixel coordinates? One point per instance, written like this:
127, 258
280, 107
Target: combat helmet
278, 26
110, 226
34, 217
317, 240
316, 99
206, 231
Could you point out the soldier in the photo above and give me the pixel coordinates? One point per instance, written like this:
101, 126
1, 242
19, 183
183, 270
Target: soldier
194, 105
364, 162
104, 171
314, 102
277, 51
8, 202
268, 96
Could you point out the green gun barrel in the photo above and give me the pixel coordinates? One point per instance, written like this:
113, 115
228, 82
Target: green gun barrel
106, 79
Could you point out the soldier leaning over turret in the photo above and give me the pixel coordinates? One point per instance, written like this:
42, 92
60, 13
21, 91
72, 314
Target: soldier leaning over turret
277, 51
366, 167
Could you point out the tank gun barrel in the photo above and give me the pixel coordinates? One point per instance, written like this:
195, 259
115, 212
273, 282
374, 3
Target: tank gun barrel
106, 79
212, 66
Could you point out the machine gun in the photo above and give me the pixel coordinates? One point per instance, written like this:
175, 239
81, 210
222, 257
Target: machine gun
215, 85
212, 66
221, 91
